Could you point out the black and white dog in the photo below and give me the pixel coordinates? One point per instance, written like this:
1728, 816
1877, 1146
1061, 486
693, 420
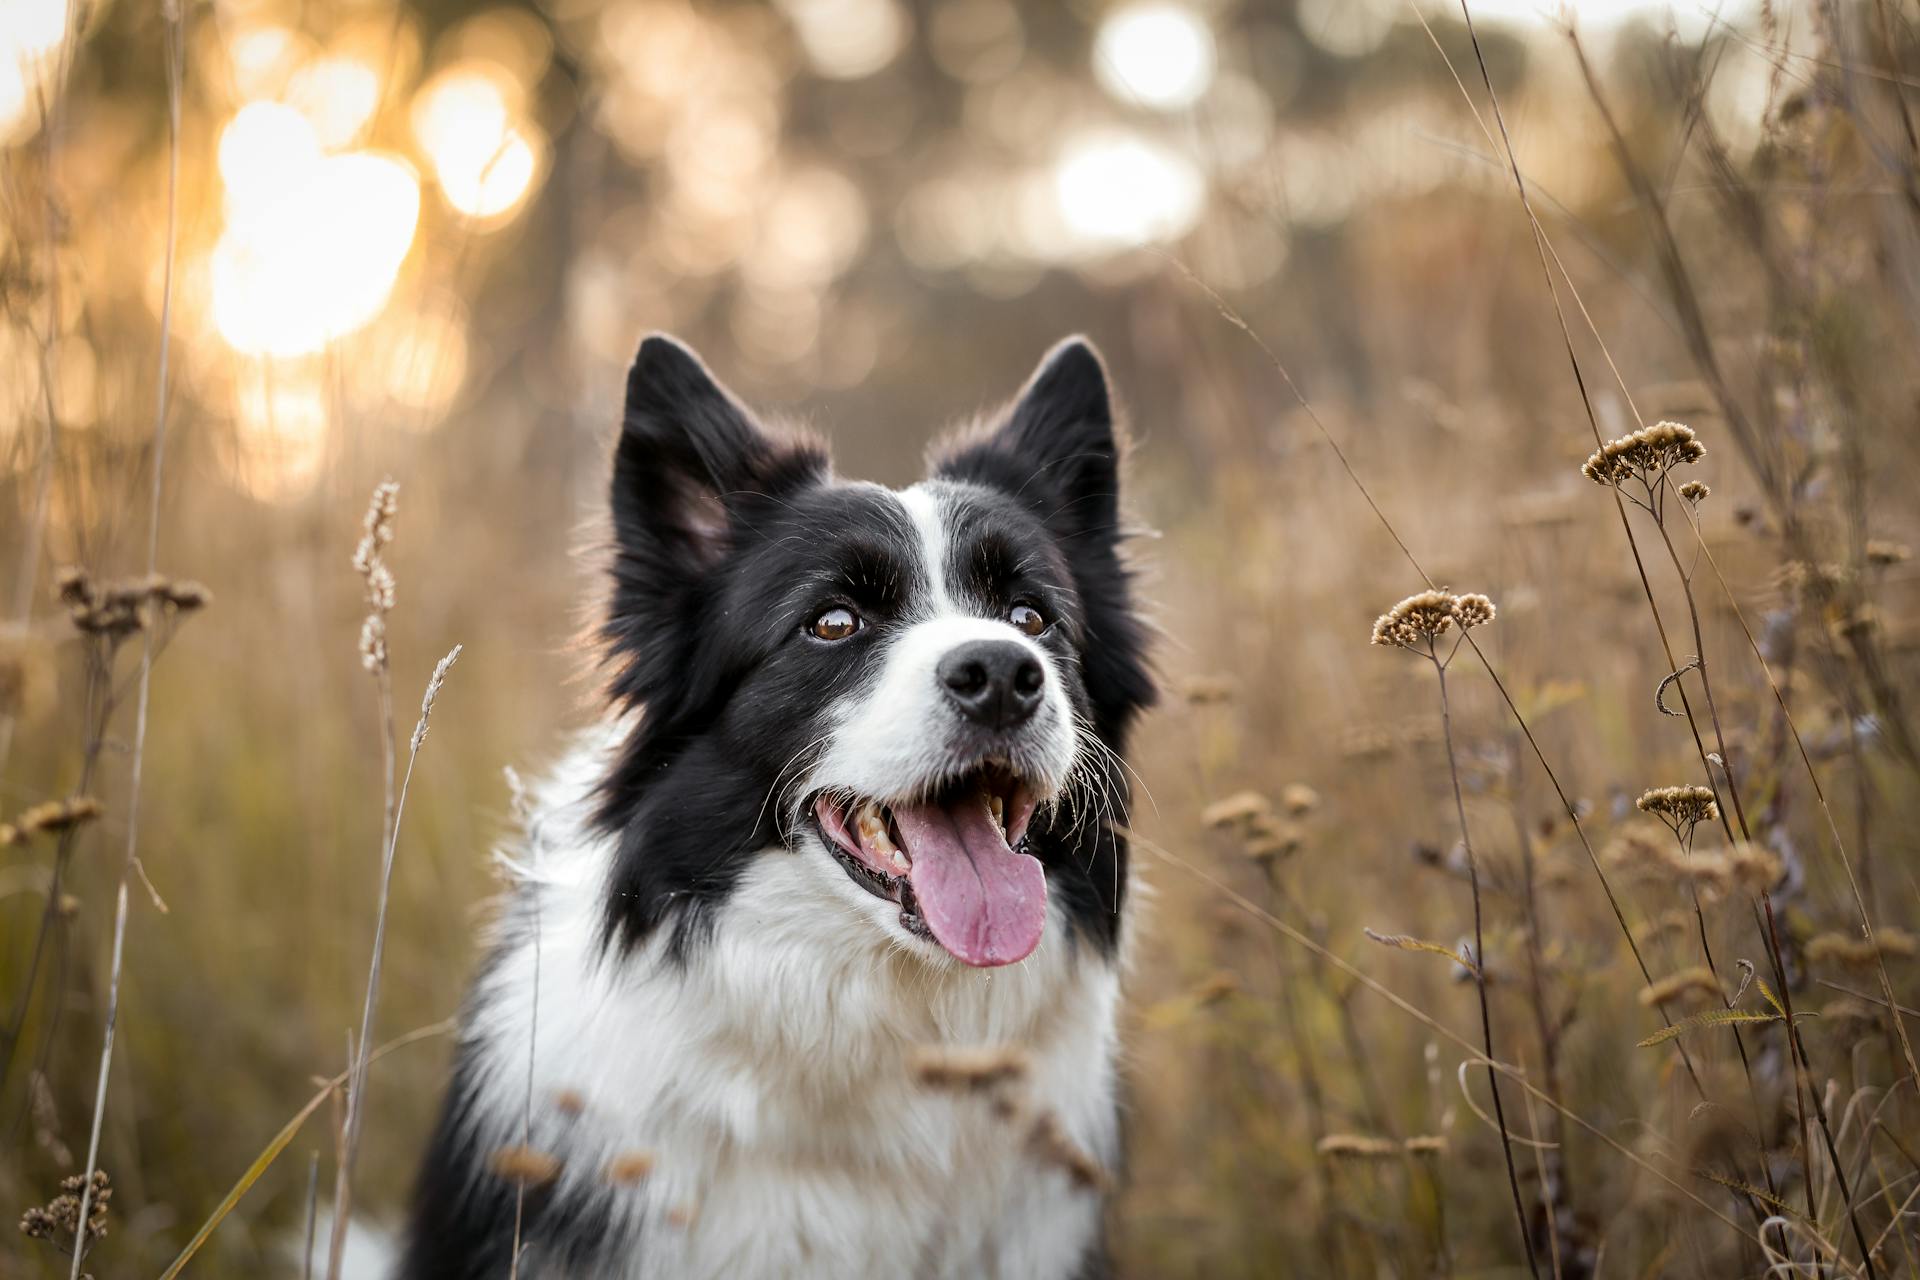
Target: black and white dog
857, 796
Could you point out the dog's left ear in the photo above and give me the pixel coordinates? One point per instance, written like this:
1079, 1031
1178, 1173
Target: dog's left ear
1056, 449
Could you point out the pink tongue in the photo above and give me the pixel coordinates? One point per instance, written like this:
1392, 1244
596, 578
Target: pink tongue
984, 902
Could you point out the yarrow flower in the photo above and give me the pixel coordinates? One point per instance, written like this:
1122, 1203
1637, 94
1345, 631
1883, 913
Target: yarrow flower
1645, 454
1695, 491
1416, 622
1681, 808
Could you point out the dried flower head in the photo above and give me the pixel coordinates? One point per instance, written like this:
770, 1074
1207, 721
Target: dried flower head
970, 1070
1472, 610
1426, 1144
1645, 454
1698, 981
1881, 553
1681, 808
1856, 951
1235, 812
1049, 1143
1755, 869
1695, 491
1356, 1146
630, 1167
58, 1221
524, 1165
1416, 622
1299, 799
56, 816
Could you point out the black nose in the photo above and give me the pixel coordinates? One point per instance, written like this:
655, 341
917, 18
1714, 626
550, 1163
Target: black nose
995, 683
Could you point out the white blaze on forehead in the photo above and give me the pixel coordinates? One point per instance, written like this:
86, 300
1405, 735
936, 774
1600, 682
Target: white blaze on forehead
924, 508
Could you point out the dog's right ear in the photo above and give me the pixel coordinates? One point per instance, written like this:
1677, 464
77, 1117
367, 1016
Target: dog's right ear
686, 448
690, 468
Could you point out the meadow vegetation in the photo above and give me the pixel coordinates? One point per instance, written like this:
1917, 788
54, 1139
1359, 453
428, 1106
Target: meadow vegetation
1525, 844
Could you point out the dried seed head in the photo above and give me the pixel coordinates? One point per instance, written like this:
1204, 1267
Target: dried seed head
1645, 453
970, 1070
1416, 622
1856, 952
1754, 868
58, 1220
1356, 1146
373, 642
630, 1167
1235, 811
1881, 553
74, 585
524, 1165
56, 816
1049, 1143
1697, 981
1426, 1144
1681, 808
1472, 610
1695, 491
1299, 799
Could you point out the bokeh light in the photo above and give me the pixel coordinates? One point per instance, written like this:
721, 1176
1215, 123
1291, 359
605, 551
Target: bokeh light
848, 39
1118, 190
313, 242
1159, 55
337, 95
484, 157
31, 34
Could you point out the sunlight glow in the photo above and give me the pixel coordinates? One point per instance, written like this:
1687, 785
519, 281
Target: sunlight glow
31, 32
1118, 190
338, 95
484, 158
313, 243
1158, 54
848, 39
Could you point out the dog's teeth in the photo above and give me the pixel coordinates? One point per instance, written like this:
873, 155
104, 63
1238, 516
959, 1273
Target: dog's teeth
873, 837
997, 807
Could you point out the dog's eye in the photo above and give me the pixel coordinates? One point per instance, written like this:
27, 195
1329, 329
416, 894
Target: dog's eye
836, 623
1027, 619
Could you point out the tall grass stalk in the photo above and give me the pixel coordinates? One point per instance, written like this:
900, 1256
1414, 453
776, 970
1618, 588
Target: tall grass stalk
357, 1076
175, 56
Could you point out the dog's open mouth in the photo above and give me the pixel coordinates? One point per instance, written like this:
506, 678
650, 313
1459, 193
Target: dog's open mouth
952, 861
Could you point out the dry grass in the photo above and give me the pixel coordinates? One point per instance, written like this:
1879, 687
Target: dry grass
1572, 945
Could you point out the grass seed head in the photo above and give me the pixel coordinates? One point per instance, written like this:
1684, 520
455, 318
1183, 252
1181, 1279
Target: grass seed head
1357, 1146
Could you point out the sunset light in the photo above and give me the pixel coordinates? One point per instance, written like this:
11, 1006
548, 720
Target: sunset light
484, 158
313, 242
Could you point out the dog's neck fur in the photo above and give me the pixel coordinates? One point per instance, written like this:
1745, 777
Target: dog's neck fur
768, 1077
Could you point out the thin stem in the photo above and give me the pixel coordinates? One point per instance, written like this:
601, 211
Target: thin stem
1480, 969
176, 70
357, 1075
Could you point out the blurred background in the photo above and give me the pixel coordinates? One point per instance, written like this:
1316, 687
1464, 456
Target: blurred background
421, 240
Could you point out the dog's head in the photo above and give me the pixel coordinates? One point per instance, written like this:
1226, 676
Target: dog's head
923, 693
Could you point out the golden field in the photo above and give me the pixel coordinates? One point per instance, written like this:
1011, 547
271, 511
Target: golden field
421, 242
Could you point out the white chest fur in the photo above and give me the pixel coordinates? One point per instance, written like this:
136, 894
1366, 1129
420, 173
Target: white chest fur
768, 1078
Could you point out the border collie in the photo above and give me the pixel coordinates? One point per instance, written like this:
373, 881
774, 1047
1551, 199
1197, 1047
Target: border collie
855, 800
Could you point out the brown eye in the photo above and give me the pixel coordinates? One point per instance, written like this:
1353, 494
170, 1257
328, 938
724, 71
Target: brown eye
835, 624
1027, 619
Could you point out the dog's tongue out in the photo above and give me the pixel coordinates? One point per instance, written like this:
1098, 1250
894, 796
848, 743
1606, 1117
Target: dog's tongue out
984, 902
